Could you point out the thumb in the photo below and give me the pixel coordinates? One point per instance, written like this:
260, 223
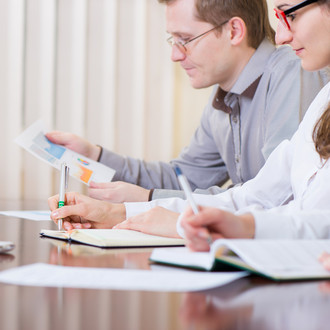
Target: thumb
56, 136
99, 185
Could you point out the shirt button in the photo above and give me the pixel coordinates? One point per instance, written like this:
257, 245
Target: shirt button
237, 159
234, 118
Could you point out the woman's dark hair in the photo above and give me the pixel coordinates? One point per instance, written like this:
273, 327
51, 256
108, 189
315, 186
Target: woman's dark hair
321, 134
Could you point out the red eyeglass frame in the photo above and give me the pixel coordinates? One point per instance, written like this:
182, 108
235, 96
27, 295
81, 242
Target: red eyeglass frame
281, 15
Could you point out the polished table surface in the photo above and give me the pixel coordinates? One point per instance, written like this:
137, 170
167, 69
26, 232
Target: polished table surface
249, 303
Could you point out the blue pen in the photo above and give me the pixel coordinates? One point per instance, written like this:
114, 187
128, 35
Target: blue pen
186, 188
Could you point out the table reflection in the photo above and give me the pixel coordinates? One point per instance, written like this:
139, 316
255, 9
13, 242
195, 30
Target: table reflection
302, 305
6, 257
77, 255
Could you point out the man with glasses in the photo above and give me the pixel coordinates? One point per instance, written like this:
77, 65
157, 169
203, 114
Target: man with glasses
260, 95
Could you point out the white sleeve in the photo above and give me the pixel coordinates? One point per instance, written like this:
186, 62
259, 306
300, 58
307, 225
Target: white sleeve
269, 188
304, 224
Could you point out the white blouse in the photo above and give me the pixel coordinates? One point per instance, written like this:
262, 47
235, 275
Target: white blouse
290, 196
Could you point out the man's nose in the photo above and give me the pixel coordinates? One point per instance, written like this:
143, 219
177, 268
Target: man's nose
177, 54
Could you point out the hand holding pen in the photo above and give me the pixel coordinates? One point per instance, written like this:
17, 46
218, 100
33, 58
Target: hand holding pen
188, 192
63, 186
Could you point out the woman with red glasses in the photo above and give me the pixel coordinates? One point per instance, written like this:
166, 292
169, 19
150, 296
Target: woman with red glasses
290, 197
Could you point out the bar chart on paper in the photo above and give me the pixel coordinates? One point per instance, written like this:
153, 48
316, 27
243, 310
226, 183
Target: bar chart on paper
33, 139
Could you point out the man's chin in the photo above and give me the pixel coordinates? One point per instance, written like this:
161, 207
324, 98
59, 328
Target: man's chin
198, 84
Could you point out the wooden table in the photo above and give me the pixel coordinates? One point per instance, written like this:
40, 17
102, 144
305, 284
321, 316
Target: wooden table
249, 303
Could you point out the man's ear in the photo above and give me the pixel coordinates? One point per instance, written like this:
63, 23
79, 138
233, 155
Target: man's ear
238, 30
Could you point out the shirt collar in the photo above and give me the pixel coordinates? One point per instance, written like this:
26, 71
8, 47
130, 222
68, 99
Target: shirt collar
248, 80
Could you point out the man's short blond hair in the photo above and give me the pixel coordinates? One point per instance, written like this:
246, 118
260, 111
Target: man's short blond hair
254, 13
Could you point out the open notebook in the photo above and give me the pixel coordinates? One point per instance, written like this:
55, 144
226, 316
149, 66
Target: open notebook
275, 259
112, 237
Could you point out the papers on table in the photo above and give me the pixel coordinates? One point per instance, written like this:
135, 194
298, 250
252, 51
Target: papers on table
178, 280
30, 215
33, 139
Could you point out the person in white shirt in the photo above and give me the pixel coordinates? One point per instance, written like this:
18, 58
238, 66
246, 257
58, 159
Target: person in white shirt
292, 200
289, 198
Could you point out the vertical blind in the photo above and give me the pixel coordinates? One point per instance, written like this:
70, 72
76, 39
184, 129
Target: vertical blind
98, 68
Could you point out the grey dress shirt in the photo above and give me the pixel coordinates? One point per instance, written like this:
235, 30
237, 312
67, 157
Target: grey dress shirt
238, 129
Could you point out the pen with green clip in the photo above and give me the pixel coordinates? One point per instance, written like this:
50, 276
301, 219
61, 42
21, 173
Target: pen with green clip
63, 186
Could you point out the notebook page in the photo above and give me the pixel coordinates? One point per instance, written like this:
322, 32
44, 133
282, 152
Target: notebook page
281, 257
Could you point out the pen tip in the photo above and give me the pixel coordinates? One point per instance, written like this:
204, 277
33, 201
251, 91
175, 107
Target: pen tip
177, 170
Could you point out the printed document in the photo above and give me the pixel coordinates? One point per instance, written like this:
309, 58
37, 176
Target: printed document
33, 139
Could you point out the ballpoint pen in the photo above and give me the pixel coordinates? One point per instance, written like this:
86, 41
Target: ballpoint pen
63, 186
187, 190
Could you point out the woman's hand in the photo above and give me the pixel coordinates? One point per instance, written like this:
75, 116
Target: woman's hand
325, 260
158, 221
211, 224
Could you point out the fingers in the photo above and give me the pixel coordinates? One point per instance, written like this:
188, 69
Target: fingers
138, 222
197, 239
107, 191
53, 202
100, 185
70, 199
99, 193
67, 225
74, 212
59, 137
188, 213
206, 217
124, 225
324, 258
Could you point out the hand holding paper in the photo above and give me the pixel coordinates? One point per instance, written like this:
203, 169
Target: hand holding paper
74, 143
82, 168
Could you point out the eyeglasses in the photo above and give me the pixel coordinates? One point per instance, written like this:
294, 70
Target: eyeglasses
182, 44
282, 15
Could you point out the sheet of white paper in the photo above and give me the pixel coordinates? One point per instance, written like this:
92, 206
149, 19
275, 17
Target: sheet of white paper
33, 139
40, 274
30, 215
